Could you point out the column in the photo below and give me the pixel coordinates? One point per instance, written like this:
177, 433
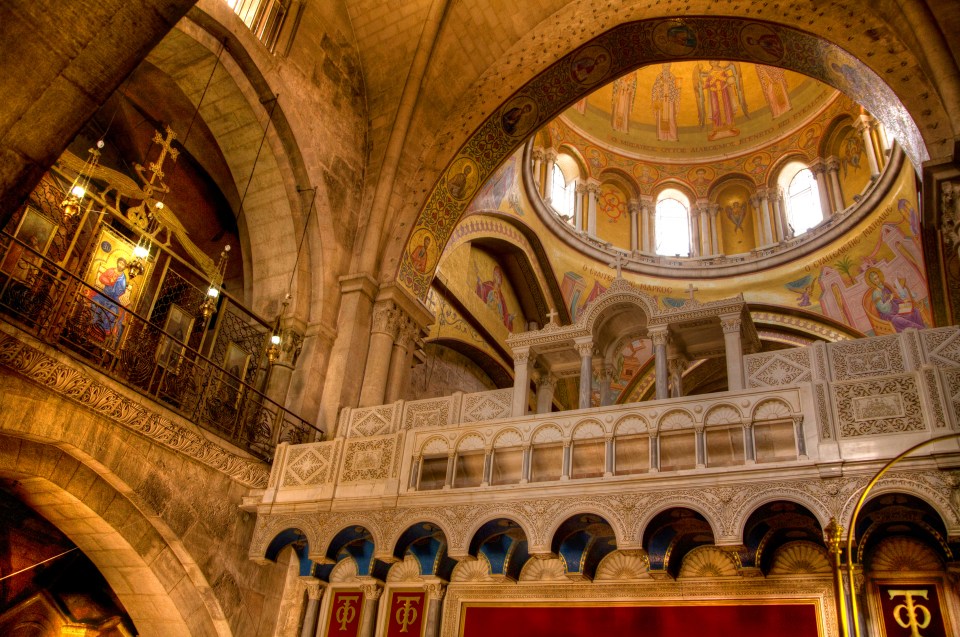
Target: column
633, 207
521, 381
609, 460
702, 212
451, 468
487, 466
371, 600
537, 170
649, 219
694, 233
660, 338
382, 334
434, 595
780, 215
714, 233
734, 351
578, 205
585, 349
545, 392
763, 220
700, 448
567, 460
314, 594
525, 464
819, 170
654, 452
549, 158
415, 473
606, 391
593, 190
749, 444
868, 145
833, 172
401, 359
801, 440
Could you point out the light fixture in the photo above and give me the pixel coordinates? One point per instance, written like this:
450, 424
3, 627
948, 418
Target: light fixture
273, 352
78, 189
209, 304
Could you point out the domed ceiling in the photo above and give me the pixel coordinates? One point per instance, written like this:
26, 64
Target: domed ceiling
697, 110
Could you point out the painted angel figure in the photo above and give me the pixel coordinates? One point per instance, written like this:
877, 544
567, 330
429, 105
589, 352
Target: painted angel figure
720, 94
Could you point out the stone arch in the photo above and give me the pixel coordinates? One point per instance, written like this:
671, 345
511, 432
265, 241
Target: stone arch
623, 180
831, 64
680, 502
547, 433
593, 508
412, 519
617, 297
771, 409
496, 513
265, 535
723, 414
574, 152
435, 446
905, 483
471, 441
676, 419
504, 440
94, 511
631, 424
582, 430
740, 516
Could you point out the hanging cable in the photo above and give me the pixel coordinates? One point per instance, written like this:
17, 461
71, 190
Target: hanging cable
49, 559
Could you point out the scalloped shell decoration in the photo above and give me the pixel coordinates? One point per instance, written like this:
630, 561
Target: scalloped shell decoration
623, 566
771, 409
800, 558
470, 442
344, 571
436, 446
508, 438
631, 425
548, 570
477, 570
723, 415
406, 571
676, 420
587, 430
548, 433
708, 561
904, 554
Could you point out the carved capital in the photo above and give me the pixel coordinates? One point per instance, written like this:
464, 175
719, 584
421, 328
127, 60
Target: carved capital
660, 337
633, 206
385, 319
730, 324
314, 588
584, 349
833, 164
521, 357
538, 154
546, 380
372, 591
435, 591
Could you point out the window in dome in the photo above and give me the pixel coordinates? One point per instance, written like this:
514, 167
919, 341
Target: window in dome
264, 17
673, 224
803, 202
563, 194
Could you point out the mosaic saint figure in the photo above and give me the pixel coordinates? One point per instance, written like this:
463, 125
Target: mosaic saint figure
491, 293
895, 306
775, 91
624, 90
665, 99
719, 90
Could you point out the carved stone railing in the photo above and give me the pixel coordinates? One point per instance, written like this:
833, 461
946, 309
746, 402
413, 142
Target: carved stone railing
810, 407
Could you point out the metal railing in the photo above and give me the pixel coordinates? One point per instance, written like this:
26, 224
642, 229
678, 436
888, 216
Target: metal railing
60, 309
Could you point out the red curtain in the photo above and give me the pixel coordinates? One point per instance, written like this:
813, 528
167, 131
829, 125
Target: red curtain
782, 620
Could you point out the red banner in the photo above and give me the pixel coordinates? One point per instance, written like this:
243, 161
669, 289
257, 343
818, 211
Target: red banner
345, 611
783, 619
407, 610
911, 609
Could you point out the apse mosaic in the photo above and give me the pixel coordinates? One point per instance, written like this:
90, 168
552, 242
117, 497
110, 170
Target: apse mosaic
607, 57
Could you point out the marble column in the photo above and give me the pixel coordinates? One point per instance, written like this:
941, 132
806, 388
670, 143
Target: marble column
868, 145
538, 169
521, 381
706, 242
314, 589
700, 447
525, 463
383, 332
660, 338
763, 222
567, 460
734, 351
609, 460
549, 159
487, 466
819, 170
694, 223
801, 440
780, 214
371, 601
593, 191
585, 349
401, 359
415, 472
451, 469
578, 205
749, 444
649, 238
633, 207
545, 387
434, 596
833, 173
654, 453
714, 230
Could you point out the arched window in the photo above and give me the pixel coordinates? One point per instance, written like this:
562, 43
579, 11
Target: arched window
802, 198
564, 191
673, 223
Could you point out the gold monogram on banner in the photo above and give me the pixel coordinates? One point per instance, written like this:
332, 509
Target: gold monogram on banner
911, 609
406, 613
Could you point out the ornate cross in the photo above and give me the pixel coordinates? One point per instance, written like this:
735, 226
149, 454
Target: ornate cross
618, 264
691, 290
552, 316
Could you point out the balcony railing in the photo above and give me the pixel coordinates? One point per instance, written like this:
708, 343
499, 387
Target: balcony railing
59, 308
